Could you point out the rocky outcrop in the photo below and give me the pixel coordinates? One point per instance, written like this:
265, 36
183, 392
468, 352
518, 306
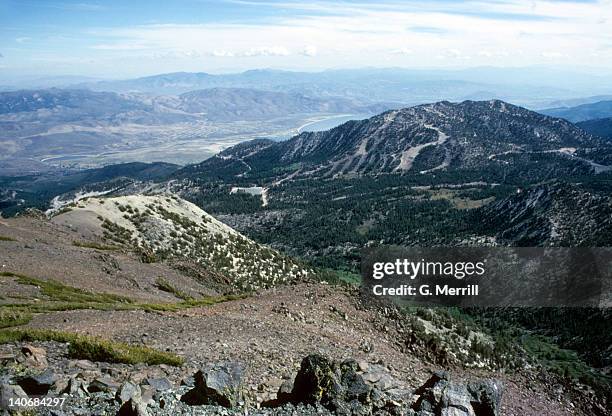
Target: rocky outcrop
217, 384
321, 386
340, 387
9, 394
440, 396
348, 388
38, 384
34, 356
133, 407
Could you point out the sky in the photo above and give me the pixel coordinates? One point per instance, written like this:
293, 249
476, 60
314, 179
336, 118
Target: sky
127, 38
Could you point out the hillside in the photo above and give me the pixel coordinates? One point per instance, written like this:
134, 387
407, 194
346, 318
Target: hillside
21, 189
248, 104
601, 127
55, 99
583, 112
551, 215
408, 86
423, 175
166, 227
424, 139
79, 299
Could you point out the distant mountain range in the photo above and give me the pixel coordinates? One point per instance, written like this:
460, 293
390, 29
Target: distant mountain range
210, 104
247, 104
85, 102
535, 87
574, 102
591, 111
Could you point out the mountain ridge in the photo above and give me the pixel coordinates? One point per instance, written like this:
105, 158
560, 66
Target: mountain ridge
601, 127
583, 112
424, 138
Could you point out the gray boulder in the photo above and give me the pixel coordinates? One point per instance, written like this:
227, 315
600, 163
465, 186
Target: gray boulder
486, 397
126, 391
75, 388
133, 407
103, 384
159, 384
219, 384
440, 396
188, 381
10, 393
38, 385
284, 391
34, 356
321, 380
339, 388
455, 401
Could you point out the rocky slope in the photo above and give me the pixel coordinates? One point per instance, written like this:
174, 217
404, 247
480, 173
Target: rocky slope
267, 336
601, 127
321, 387
553, 214
75, 281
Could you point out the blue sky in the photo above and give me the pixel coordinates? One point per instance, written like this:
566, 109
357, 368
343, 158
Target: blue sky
131, 38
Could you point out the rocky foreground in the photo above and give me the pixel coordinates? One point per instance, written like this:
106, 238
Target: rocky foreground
321, 386
116, 297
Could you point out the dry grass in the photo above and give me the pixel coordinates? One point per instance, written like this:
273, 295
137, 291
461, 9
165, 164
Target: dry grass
93, 349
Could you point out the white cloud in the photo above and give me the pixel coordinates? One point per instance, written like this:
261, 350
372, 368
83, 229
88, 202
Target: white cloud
178, 55
251, 52
222, 54
352, 34
492, 54
310, 50
402, 51
554, 55
122, 46
22, 39
450, 54
88, 7
266, 51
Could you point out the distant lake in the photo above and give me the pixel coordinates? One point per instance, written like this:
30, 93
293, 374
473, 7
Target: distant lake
330, 123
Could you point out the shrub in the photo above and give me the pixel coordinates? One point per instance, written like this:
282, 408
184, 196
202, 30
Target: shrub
96, 246
164, 285
12, 317
94, 349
